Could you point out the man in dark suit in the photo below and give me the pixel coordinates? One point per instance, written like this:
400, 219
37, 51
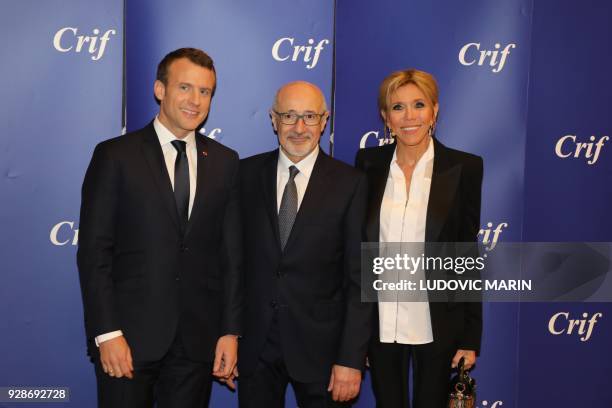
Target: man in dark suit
160, 250
303, 215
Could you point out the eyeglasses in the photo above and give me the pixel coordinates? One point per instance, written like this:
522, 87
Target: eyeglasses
291, 118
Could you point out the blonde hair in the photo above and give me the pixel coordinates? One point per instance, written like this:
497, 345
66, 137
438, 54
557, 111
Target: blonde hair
421, 79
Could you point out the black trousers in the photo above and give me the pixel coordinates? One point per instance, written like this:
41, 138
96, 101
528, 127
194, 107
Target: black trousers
173, 381
389, 369
267, 386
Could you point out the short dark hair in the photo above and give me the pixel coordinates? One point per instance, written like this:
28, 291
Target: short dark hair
194, 55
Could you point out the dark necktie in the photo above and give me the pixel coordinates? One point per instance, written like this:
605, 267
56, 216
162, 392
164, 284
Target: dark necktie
181, 181
288, 207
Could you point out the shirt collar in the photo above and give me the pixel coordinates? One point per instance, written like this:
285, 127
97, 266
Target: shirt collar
165, 136
305, 165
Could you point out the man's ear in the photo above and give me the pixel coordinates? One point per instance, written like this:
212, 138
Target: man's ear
159, 89
324, 120
273, 118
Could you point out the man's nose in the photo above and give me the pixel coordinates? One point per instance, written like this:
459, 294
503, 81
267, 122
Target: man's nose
194, 98
300, 126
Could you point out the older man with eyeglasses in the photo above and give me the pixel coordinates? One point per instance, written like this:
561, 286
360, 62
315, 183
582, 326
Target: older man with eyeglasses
303, 219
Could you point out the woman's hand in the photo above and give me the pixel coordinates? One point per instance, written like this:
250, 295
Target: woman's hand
469, 358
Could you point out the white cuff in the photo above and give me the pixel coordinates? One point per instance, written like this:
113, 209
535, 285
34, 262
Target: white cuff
107, 336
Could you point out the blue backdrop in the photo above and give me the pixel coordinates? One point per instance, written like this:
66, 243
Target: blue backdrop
567, 198
524, 84
60, 100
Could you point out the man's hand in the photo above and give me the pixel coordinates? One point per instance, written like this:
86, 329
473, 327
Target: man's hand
230, 381
116, 358
469, 358
344, 383
226, 356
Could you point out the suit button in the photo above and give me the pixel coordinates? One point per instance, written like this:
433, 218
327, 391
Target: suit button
184, 248
273, 304
176, 278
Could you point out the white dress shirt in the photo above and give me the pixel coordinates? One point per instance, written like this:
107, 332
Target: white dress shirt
403, 219
305, 167
165, 138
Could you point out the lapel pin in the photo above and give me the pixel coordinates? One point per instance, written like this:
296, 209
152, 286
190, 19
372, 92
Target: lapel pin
204, 153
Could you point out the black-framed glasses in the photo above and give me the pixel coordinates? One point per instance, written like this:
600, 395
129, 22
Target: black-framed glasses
291, 118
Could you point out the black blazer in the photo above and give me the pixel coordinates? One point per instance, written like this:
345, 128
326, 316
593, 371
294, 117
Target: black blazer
314, 284
453, 215
139, 273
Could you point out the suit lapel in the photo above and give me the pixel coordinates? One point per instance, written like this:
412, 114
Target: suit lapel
202, 180
268, 186
315, 191
378, 174
444, 185
153, 154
